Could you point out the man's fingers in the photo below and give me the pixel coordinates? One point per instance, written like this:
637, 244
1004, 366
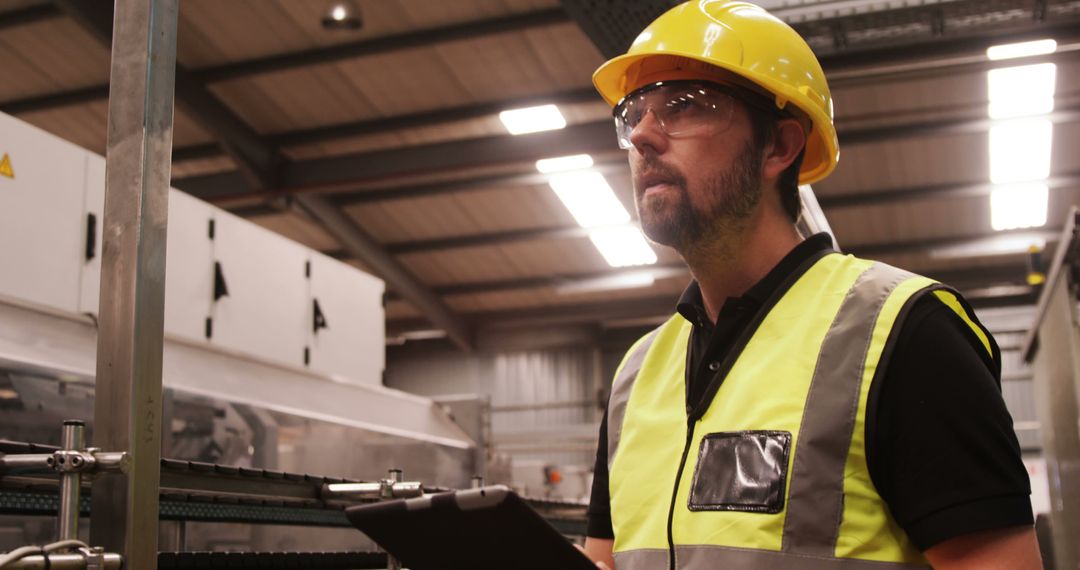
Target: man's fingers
599, 565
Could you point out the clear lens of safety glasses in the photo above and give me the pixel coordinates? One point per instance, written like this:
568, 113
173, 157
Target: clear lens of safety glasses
681, 108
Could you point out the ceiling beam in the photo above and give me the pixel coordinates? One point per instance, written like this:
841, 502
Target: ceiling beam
396, 123
363, 48
940, 127
1066, 181
661, 306
919, 55
488, 239
261, 159
1063, 181
341, 173
387, 44
966, 277
955, 243
553, 315
96, 93
421, 190
570, 280
433, 118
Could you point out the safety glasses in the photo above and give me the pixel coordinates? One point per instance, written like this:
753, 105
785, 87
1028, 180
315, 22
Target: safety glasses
681, 108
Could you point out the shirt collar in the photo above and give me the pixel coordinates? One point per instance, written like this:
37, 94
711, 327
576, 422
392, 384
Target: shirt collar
691, 305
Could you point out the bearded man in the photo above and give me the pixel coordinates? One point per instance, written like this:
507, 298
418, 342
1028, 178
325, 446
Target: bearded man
802, 408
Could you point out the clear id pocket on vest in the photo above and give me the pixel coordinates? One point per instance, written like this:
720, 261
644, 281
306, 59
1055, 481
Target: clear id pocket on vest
741, 471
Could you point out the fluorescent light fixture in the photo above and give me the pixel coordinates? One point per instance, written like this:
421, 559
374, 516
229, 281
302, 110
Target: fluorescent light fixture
532, 119
1024, 49
564, 163
618, 281
1021, 91
623, 246
1020, 151
1018, 206
343, 15
589, 198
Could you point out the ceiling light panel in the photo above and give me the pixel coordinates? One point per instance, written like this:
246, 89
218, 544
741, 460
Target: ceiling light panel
623, 246
532, 119
589, 198
1021, 91
1018, 206
564, 163
1024, 49
1020, 151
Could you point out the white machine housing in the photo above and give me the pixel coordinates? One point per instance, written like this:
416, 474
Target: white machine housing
240, 300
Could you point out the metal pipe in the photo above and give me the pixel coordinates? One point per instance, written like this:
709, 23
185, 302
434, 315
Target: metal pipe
64, 562
545, 406
112, 461
128, 406
73, 438
373, 491
390, 490
29, 463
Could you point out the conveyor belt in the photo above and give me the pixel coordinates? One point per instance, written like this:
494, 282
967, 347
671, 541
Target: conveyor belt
24, 501
197, 491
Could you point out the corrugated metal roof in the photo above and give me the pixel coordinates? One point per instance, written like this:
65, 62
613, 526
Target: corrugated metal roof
490, 68
299, 228
48, 56
908, 162
84, 125
897, 118
214, 33
575, 113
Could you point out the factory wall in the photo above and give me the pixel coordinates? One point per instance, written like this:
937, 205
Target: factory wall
545, 404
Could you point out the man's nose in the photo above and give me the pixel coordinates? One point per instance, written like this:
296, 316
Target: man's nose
649, 134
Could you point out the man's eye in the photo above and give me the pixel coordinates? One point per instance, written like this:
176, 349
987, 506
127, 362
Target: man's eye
680, 104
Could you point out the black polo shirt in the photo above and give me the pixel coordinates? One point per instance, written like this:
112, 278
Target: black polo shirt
940, 447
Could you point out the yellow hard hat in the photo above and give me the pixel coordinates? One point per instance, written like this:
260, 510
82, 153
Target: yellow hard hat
693, 39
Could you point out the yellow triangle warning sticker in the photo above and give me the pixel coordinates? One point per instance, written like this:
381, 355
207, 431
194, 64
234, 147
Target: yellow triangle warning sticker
5, 167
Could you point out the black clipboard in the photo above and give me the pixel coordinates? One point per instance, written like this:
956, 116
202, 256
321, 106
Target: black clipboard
474, 529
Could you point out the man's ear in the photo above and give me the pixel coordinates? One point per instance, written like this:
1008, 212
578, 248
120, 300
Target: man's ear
788, 141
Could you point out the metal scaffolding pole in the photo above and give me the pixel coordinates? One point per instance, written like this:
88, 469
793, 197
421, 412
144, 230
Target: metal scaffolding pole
128, 403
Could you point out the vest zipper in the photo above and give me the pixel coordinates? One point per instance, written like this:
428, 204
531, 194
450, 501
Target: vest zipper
690, 424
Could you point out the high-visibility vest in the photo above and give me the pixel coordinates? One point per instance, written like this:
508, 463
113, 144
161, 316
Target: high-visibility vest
772, 472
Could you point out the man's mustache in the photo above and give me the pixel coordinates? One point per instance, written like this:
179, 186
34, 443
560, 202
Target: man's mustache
653, 167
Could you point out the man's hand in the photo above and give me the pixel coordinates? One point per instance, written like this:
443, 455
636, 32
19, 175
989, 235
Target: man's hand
599, 550
1006, 549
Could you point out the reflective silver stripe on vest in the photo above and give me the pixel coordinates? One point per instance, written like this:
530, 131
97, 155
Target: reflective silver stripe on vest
620, 394
815, 504
642, 559
712, 557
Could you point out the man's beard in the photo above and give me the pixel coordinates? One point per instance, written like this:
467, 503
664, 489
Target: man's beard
676, 222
